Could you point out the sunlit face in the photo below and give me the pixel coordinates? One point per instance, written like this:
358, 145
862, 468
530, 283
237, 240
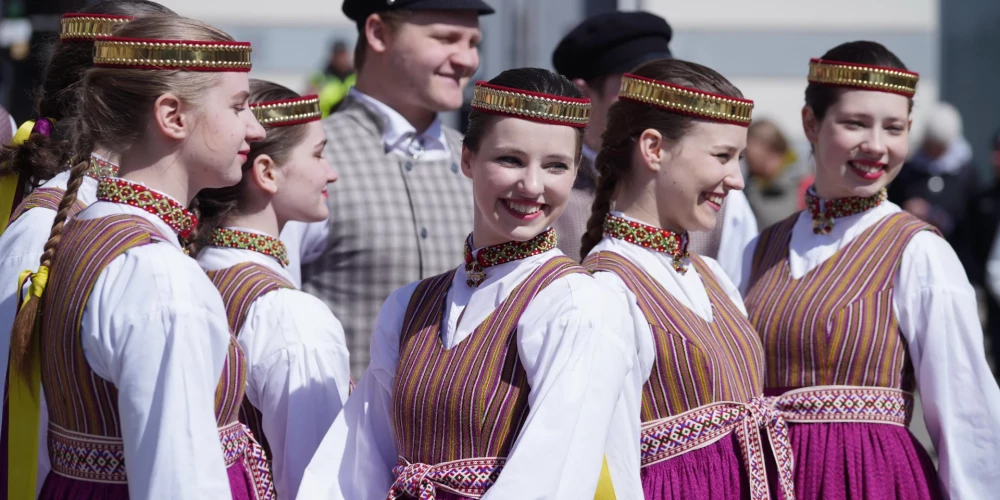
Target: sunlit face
860, 144
521, 178
223, 128
696, 173
303, 180
433, 55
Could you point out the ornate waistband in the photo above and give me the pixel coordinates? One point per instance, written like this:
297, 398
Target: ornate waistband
238, 445
842, 403
671, 437
469, 478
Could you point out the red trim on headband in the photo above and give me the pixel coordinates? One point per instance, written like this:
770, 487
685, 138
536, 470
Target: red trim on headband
689, 89
869, 66
529, 118
186, 42
97, 16
686, 113
175, 68
482, 83
284, 101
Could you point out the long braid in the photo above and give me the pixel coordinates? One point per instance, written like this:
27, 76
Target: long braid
27, 316
607, 182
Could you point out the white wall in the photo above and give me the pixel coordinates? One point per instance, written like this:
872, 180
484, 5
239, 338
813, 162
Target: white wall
262, 12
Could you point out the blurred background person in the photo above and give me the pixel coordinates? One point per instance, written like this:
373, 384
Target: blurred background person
774, 181
335, 81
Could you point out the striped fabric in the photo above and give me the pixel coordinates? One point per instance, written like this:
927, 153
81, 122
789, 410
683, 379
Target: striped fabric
469, 401
835, 325
241, 286
697, 362
46, 198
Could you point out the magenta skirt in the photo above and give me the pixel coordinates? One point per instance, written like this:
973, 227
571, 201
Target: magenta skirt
835, 461
715, 472
58, 487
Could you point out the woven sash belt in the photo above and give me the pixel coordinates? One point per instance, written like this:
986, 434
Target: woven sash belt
842, 403
671, 437
469, 478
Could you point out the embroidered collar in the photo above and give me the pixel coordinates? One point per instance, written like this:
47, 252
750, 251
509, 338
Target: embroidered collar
100, 168
824, 212
475, 266
651, 237
167, 209
260, 243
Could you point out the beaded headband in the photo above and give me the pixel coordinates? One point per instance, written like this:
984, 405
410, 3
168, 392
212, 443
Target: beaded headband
863, 76
544, 108
687, 101
135, 53
287, 111
87, 27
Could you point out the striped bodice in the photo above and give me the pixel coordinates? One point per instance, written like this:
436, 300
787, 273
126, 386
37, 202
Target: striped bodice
46, 198
835, 325
240, 286
697, 362
471, 400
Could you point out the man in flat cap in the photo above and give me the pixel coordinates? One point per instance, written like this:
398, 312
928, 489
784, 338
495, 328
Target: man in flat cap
594, 55
401, 208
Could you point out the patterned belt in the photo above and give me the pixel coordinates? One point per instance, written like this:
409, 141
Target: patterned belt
101, 459
469, 478
671, 437
842, 403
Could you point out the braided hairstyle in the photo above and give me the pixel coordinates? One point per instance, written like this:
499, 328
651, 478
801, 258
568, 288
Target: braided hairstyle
41, 157
217, 204
627, 120
113, 109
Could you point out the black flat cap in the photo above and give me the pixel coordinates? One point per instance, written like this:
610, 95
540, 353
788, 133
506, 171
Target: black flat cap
615, 42
359, 10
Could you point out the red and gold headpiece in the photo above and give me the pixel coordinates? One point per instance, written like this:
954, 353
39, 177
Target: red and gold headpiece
687, 101
78, 27
287, 111
863, 76
186, 55
544, 108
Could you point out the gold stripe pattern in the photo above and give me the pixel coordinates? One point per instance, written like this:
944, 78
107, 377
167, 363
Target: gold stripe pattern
173, 55
288, 112
530, 106
84, 28
689, 101
876, 78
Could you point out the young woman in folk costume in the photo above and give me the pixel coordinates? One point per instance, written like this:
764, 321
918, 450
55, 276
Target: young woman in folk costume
143, 380
671, 154
858, 303
297, 359
500, 379
40, 159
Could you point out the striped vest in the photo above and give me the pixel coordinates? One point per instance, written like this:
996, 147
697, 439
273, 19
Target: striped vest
469, 401
80, 402
835, 325
697, 362
241, 285
46, 198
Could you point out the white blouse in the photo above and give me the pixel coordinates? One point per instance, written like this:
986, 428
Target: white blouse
937, 313
156, 328
299, 372
21, 248
739, 228
576, 344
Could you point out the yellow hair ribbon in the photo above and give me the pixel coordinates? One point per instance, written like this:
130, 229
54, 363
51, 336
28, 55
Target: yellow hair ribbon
9, 183
24, 399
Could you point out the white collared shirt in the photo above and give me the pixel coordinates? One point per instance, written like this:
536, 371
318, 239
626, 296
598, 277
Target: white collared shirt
398, 134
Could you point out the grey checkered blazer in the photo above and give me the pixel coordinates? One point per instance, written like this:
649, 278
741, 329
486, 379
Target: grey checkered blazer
393, 220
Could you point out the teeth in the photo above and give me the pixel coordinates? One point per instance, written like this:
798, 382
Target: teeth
522, 208
715, 198
868, 169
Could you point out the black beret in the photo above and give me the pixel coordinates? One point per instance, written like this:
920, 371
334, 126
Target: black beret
359, 10
615, 42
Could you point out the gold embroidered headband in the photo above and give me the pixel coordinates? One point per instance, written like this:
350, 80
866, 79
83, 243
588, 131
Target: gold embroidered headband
287, 111
863, 76
186, 55
544, 108
684, 100
75, 27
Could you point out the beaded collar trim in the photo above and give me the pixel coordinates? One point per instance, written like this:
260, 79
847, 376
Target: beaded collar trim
544, 108
260, 243
183, 55
169, 211
100, 168
287, 111
503, 253
651, 237
687, 101
824, 212
863, 76
75, 27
